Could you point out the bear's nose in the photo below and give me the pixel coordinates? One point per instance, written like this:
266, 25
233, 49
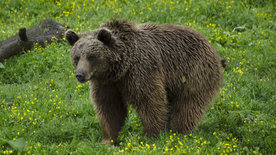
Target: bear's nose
80, 76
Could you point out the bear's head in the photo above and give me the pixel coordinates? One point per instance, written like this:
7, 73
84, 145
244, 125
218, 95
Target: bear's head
96, 55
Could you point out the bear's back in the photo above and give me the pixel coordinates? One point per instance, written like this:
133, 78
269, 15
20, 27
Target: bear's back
186, 56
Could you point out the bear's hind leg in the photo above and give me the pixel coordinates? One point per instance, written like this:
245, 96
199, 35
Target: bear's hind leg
186, 113
154, 118
151, 106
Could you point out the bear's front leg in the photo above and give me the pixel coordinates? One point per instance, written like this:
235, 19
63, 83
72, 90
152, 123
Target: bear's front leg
111, 111
150, 102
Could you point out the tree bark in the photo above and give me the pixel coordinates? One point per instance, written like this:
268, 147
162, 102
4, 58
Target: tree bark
41, 34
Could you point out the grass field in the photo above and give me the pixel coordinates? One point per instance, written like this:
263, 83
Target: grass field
37, 118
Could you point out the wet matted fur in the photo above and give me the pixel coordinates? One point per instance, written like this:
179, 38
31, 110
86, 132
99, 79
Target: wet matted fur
168, 73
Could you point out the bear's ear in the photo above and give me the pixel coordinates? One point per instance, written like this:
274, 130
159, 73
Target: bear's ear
22, 34
71, 37
105, 36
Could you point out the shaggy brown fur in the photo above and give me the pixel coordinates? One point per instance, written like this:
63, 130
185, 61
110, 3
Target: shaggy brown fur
169, 73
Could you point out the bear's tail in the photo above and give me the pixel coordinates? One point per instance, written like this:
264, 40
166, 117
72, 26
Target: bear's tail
223, 63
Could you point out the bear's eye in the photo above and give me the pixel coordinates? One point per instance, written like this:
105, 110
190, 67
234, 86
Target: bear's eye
76, 60
91, 57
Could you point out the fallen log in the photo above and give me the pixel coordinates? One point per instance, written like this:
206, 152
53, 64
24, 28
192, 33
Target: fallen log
41, 34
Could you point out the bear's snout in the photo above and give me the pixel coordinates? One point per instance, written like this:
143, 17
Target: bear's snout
80, 76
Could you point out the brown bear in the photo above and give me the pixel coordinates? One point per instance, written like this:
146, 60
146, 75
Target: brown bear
168, 73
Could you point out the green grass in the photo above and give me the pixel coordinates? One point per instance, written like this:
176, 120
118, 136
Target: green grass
34, 87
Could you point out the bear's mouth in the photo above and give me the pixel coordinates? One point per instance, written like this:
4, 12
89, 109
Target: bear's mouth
81, 81
82, 77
